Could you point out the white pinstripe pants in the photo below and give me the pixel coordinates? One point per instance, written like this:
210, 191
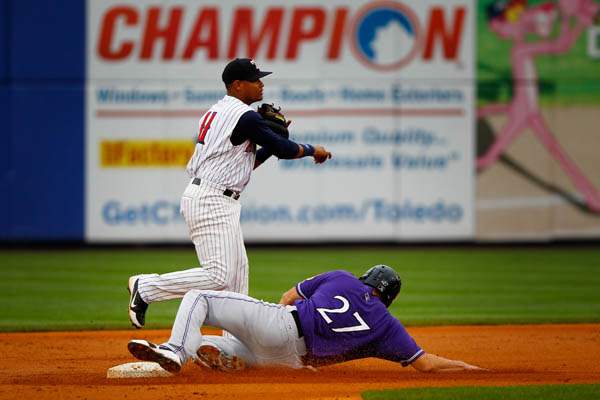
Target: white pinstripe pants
213, 222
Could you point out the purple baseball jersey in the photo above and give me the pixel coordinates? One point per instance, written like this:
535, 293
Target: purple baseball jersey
342, 320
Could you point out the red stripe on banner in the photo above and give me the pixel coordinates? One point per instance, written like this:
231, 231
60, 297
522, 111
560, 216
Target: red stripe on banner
148, 113
332, 112
361, 112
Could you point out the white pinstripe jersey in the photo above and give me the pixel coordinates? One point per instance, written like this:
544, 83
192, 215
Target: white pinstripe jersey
215, 159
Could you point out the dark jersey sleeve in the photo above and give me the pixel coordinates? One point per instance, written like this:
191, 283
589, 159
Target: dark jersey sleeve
262, 155
251, 126
399, 346
307, 287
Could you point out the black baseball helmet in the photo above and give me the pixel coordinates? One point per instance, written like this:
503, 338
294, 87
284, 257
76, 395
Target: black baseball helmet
385, 280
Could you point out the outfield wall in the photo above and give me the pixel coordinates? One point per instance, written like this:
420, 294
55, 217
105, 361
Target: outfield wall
42, 67
101, 103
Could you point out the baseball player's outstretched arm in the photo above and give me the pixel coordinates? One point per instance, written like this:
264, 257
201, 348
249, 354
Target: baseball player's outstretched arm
252, 126
289, 297
319, 153
432, 363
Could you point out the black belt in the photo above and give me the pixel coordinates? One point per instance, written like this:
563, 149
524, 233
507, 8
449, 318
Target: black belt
226, 192
297, 321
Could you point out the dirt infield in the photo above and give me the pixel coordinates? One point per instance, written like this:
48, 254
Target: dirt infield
73, 365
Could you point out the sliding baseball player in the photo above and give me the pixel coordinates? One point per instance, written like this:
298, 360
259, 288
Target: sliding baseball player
330, 318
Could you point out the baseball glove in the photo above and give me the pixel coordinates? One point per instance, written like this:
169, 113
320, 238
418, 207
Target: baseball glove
275, 119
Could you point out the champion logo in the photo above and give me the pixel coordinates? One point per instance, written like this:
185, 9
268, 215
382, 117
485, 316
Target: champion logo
383, 35
386, 35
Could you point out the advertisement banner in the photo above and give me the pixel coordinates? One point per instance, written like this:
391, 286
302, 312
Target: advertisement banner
538, 114
387, 87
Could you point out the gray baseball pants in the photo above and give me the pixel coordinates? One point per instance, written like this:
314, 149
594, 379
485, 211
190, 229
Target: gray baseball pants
265, 333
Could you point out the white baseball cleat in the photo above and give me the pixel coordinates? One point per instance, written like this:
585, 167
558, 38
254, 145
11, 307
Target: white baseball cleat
147, 351
213, 358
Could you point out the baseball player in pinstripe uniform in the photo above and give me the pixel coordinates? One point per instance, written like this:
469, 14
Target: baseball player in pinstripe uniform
220, 168
330, 318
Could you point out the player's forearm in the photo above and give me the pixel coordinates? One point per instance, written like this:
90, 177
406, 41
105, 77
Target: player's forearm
289, 297
305, 150
276, 145
432, 363
450, 366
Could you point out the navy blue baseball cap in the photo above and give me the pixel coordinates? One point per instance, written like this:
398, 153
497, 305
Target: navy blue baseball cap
242, 69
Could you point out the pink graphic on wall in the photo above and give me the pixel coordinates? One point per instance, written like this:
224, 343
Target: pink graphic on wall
513, 20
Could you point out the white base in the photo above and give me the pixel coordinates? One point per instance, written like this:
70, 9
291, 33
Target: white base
137, 370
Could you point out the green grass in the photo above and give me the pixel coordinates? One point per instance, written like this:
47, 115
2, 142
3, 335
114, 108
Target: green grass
546, 392
86, 289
